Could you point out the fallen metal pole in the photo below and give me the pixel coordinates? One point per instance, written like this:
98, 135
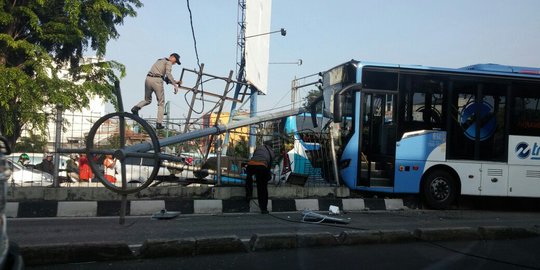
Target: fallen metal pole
145, 147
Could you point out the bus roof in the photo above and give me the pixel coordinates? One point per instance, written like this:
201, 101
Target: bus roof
489, 69
504, 69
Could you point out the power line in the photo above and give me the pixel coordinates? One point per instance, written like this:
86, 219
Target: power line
198, 61
193, 34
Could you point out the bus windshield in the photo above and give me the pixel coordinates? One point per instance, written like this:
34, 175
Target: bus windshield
338, 91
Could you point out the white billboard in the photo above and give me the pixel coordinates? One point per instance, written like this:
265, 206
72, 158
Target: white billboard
257, 46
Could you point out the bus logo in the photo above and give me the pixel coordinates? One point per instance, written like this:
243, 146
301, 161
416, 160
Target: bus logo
523, 151
468, 120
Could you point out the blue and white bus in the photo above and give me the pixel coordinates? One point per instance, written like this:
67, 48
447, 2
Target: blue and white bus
437, 132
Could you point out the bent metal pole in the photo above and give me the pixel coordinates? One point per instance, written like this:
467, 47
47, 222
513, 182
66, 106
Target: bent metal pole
145, 147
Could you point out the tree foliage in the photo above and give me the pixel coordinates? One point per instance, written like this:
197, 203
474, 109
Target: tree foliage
238, 148
38, 38
312, 95
31, 144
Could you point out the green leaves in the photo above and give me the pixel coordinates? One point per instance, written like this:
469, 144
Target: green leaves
38, 38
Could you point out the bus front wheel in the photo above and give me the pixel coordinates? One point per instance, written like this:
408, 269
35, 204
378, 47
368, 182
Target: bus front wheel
439, 190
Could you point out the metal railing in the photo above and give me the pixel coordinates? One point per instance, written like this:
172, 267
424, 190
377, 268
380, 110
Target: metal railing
299, 166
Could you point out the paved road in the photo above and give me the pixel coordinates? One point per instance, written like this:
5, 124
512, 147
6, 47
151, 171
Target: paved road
136, 230
509, 254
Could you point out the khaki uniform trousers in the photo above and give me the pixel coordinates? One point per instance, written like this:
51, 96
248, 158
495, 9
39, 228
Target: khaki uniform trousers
155, 85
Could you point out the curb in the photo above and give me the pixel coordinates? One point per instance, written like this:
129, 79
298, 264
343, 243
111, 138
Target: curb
75, 252
30, 209
193, 246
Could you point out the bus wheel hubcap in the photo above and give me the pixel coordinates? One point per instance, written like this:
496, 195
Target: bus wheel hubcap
440, 189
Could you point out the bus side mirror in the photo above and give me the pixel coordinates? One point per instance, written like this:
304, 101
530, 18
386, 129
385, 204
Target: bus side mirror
313, 109
313, 112
338, 100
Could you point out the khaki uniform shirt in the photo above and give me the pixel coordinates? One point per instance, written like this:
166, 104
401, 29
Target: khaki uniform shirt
162, 67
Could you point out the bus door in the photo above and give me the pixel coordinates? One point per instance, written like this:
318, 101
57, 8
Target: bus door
378, 139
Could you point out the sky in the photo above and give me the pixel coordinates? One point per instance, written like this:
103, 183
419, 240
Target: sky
323, 34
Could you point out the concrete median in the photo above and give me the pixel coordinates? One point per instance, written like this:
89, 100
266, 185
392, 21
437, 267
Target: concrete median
260, 242
49, 208
218, 244
447, 234
504, 232
193, 246
75, 252
273, 241
157, 248
322, 239
375, 237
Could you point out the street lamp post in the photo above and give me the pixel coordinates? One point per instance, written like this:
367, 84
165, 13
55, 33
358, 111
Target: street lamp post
254, 95
241, 78
282, 31
299, 62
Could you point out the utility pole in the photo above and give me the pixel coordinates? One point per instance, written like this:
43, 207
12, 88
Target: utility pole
240, 64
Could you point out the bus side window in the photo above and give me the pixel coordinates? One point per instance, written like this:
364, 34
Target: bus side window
526, 110
422, 99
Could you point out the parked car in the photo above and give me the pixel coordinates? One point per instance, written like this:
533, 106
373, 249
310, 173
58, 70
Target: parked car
138, 170
19, 175
36, 158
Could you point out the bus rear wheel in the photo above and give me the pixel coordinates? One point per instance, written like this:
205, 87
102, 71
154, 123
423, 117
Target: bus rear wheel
439, 190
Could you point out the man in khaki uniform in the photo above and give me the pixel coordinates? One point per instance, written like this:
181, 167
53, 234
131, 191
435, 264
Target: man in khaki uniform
161, 70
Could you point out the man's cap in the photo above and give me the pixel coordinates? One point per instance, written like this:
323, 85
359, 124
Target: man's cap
49, 155
177, 57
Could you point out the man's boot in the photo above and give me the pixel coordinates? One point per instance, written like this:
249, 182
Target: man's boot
135, 110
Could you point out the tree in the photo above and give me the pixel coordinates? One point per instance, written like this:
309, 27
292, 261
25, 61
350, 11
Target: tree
32, 144
312, 96
40, 37
239, 148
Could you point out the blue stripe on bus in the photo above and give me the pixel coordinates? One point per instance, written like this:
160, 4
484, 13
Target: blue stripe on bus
419, 146
349, 174
408, 180
411, 155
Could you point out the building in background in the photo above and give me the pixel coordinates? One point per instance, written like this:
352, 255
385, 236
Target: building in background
236, 135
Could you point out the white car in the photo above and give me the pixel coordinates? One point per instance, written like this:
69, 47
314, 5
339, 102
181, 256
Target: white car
138, 170
10, 258
36, 158
20, 176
